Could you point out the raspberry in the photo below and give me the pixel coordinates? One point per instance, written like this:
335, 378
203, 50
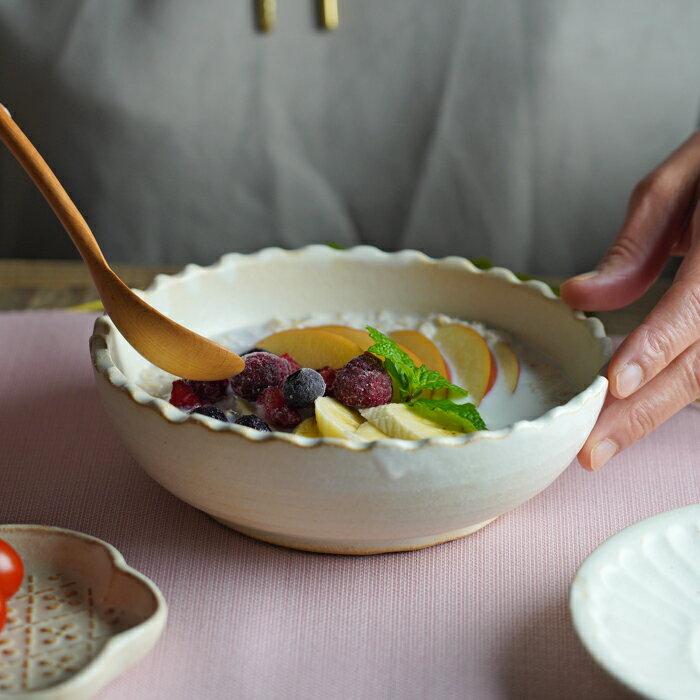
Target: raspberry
363, 382
252, 421
275, 408
303, 387
183, 396
211, 412
209, 392
262, 369
293, 364
328, 374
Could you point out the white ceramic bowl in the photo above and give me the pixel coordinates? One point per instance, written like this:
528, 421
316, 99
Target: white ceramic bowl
635, 604
328, 494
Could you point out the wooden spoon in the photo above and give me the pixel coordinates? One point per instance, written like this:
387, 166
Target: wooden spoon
160, 340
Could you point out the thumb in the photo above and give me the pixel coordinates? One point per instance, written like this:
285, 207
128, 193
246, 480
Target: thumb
657, 216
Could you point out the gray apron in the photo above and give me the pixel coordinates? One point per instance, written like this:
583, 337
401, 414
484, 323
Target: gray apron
493, 128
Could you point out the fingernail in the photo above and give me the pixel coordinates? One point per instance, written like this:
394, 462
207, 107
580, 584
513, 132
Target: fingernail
585, 276
602, 452
628, 379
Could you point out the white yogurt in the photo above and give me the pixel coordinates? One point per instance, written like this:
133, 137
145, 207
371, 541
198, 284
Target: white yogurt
541, 386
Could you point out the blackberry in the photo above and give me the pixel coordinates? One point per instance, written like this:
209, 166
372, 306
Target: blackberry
262, 369
211, 412
250, 420
303, 387
363, 382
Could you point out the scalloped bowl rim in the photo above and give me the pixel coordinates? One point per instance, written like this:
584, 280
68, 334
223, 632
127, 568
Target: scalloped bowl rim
103, 364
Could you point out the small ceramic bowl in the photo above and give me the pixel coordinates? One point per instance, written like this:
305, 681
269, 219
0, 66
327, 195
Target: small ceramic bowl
330, 494
80, 618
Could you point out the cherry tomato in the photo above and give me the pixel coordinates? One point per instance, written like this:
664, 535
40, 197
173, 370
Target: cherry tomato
11, 571
3, 612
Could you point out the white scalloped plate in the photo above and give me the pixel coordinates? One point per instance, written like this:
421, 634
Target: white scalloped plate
80, 618
635, 604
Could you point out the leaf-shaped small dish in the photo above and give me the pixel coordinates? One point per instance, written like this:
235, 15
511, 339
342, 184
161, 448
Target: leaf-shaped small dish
80, 618
635, 604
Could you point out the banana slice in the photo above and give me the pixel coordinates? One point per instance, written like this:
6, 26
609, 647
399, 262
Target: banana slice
397, 420
336, 420
308, 428
368, 433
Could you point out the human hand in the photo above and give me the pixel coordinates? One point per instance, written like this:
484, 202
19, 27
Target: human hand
656, 370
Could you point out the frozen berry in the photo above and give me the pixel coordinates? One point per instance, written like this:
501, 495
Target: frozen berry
183, 396
294, 366
209, 392
328, 374
252, 421
211, 412
262, 369
363, 382
275, 408
303, 387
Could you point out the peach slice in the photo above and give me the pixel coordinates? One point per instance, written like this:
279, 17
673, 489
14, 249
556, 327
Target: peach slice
364, 340
424, 348
312, 347
470, 358
510, 364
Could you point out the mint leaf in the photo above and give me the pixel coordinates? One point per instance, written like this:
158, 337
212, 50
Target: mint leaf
430, 379
409, 380
481, 263
454, 416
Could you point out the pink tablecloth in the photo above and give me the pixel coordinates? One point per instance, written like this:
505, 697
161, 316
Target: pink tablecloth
482, 617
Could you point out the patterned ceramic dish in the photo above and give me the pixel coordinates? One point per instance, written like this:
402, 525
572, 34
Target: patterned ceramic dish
331, 494
635, 604
81, 617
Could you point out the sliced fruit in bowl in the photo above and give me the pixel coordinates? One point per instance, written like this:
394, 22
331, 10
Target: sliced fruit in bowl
509, 364
470, 357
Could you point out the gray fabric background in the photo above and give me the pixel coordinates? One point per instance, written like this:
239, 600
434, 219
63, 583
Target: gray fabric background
499, 128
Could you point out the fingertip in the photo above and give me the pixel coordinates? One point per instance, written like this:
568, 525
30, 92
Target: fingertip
574, 291
584, 463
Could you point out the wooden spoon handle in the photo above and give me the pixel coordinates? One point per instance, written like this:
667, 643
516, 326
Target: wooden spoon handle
49, 186
159, 339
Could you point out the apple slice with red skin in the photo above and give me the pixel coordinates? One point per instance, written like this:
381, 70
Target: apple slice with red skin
510, 365
470, 358
493, 374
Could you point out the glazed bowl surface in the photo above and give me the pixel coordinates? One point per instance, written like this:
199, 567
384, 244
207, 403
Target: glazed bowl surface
336, 495
81, 617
